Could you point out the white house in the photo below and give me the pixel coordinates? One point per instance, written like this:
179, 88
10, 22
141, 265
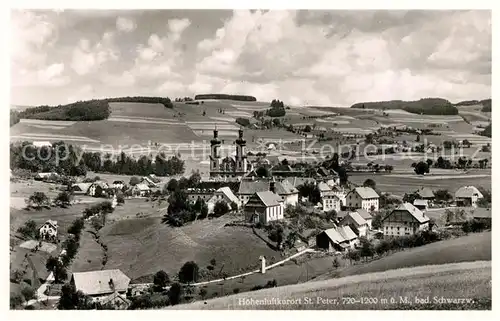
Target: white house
98, 189
363, 197
467, 196
141, 189
48, 231
330, 201
404, 220
366, 216
341, 193
148, 181
264, 207
356, 223
340, 238
118, 184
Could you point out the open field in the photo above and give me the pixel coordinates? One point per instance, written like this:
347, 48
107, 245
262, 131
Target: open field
401, 185
142, 246
458, 280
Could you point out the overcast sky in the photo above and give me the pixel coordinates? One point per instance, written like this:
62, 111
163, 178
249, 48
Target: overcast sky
301, 57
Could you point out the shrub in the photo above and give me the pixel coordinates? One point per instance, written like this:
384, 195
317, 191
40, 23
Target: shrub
245, 122
189, 272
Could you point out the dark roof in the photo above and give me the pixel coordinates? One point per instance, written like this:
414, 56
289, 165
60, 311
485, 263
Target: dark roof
415, 212
297, 181
252, 187
425, 192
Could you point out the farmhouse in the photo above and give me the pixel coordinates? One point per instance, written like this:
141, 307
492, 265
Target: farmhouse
289, 194
366, 216
48, 231
80, 188
141, 190
98, 189
362, 197
225, 194
467, 196
148, 181
356, 223
118, 184
336, 239
404, 220
100, 284
264, 207
425, 193
203, 193
421, 204
329, 176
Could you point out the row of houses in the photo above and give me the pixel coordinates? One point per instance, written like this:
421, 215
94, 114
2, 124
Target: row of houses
103, 189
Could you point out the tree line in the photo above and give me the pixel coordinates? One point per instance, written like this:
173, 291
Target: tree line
426, 106
63, 159
88, 110
225, 97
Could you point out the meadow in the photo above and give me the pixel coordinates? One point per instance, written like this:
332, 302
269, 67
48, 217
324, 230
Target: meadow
457, 280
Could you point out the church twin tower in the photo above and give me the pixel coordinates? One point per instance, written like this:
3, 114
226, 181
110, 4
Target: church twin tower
229, 166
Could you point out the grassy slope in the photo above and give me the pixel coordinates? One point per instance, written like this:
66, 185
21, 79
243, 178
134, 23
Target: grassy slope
475, 248
462, 280
468, 248
141, 247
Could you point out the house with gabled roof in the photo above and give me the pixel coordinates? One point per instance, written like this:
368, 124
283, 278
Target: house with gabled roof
48, 231
404, 220
141, 189
80, 188
421, 204
289, 194
98, 189
100, 283
468, 196
363, 197
148, 181
425, 193
264, 207
356, 223
115, 301
366, 216
336, 239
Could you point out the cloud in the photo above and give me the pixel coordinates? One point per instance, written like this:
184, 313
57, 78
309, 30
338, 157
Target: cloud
345, 57
162, 54
125, 24
301, 57
87, 59
177, 26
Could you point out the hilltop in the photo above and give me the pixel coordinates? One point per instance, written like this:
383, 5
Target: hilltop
426, 106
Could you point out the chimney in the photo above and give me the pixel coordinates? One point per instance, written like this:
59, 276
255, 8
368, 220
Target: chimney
272, 186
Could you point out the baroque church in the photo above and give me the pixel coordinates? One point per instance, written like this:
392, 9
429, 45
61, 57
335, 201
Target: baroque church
228, 166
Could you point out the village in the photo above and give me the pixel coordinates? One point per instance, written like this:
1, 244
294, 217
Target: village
296, 213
